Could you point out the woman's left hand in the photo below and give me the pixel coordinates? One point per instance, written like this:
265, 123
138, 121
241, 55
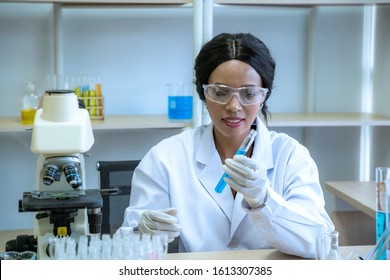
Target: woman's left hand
249, 177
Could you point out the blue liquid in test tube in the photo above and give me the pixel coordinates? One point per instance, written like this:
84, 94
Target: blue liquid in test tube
241, 151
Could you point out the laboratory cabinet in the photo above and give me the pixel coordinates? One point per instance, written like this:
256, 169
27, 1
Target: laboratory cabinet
330, 91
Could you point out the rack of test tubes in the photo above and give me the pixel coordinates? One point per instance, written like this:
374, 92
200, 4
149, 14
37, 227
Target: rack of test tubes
119, 247
87, 88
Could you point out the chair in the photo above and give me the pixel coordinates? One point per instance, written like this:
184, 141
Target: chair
118, 175
115, 175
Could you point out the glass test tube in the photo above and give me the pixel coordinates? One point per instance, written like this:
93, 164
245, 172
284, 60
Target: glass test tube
241, 151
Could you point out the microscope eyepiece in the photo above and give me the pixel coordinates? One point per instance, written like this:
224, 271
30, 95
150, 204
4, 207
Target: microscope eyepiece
72, 176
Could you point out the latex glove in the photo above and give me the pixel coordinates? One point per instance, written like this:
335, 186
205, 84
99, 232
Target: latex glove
160, 221
248, 177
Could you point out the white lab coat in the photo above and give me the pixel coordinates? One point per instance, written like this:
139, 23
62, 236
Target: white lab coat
183, 170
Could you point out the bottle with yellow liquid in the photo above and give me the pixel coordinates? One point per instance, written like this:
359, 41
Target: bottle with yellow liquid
30, 104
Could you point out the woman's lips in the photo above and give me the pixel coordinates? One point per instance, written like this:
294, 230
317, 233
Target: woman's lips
233, 122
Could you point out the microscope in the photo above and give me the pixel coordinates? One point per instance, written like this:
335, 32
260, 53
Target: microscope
62, 132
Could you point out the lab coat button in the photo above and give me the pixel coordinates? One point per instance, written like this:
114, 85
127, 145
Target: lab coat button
234, 243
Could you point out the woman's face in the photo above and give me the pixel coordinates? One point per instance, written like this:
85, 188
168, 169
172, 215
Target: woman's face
233, 119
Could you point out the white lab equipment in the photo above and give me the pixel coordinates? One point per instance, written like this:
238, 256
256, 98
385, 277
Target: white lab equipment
332, 251
62, 132
130, 246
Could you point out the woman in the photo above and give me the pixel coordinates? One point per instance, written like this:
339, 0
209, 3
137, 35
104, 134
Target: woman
272, 199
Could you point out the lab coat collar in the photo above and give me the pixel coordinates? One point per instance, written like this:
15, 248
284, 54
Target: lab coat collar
209, 176
262, 149
206, 147
211, 171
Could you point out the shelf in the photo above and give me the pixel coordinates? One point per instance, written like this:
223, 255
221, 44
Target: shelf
138, 122
326, 119
235, 2
157, 2
12, 124
300, 2
110, 122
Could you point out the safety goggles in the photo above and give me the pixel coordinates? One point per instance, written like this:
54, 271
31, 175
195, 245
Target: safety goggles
223, 94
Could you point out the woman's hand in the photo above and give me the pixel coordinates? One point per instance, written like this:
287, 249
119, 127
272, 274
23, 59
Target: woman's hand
160, 221
247, 176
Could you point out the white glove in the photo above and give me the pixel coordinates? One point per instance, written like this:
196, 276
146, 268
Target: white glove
160, 221
247, 176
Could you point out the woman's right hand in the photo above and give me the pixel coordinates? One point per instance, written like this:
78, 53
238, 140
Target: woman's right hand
160, 222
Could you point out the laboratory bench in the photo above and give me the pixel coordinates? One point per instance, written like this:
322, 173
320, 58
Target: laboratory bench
263, 254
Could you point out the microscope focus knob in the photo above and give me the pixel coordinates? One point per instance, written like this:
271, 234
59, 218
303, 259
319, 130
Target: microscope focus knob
95, 222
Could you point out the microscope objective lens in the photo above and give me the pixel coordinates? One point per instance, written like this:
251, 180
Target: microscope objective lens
50, 175
72, 176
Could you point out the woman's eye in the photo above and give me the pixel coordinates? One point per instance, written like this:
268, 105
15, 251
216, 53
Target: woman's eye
221, 92
248, 93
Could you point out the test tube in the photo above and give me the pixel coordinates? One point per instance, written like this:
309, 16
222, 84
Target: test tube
241, 151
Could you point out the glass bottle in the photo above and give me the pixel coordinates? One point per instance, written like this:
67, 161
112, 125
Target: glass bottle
382, 178
334, 253
30, 104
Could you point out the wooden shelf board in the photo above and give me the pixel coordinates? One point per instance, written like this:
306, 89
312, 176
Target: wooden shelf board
326, 119
12, 124
157, 2
138, 122
299, 2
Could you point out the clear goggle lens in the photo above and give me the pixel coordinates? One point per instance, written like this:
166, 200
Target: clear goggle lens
223, 94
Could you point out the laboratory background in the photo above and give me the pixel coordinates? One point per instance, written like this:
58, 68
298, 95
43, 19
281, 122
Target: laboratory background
332, 85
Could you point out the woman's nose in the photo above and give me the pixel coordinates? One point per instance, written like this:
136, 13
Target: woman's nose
234, 103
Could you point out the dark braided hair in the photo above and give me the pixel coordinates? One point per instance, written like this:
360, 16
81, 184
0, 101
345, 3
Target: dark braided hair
240, 46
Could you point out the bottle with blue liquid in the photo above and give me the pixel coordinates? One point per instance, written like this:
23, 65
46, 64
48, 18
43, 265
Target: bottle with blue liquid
179, 101
382, 178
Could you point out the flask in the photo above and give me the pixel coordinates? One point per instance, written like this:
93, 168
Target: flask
179, 101
334, 253
30, 104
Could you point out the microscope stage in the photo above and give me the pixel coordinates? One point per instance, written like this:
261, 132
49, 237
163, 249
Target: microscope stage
91, 199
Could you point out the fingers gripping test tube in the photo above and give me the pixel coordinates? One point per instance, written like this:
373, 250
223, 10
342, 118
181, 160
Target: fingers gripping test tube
246, 144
